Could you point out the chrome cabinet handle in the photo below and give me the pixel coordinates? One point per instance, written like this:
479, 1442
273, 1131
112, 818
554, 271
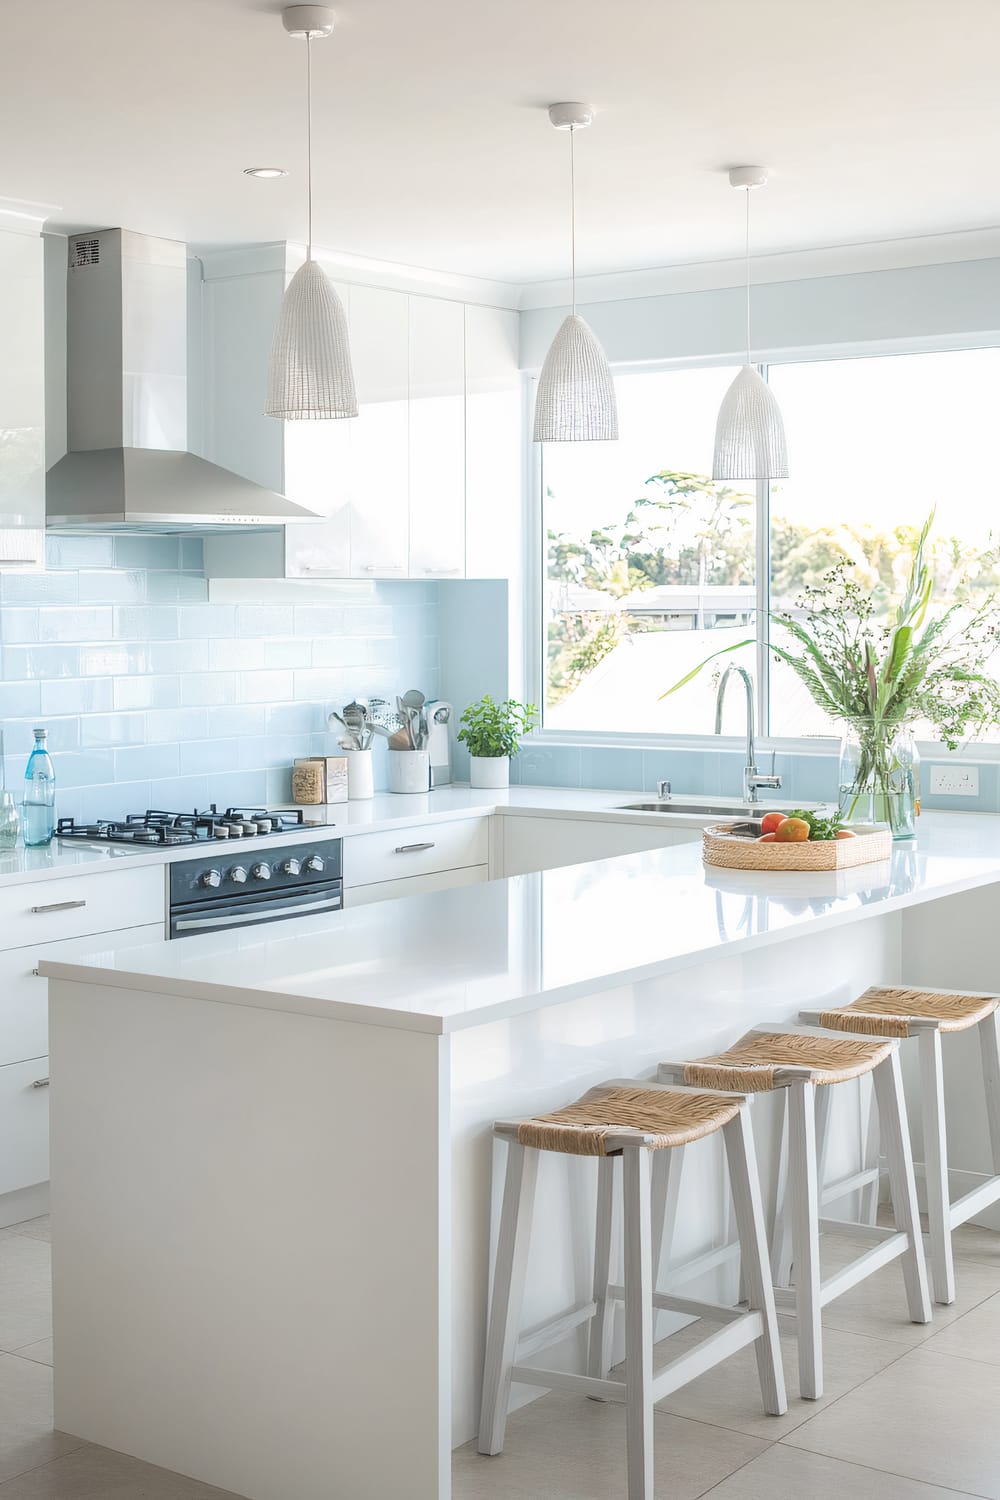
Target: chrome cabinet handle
411, 848
442, 572
18, 562
60, 906
40, 1083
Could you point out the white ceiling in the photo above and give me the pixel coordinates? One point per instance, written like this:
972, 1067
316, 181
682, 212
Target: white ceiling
879, 118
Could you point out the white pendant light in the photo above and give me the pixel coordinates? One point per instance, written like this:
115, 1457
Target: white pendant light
309, 374
749, 434
575, 401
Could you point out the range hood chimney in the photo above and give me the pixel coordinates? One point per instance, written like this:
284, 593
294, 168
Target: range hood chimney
128, 468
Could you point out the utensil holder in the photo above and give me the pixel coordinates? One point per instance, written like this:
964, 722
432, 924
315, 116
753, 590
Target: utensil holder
409, 771
360, 775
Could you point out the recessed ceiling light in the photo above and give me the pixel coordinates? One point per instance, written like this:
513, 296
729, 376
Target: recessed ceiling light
264, 172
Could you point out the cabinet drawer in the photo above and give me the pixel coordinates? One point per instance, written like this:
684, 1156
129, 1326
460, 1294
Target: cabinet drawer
44, 911
415, 885
24, 1010
24, 1124
419, 850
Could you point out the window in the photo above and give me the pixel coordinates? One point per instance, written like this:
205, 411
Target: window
650, 566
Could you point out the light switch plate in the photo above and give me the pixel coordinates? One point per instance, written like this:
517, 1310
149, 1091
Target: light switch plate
954, 781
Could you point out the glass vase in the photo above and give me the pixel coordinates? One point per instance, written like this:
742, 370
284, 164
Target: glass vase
880, 775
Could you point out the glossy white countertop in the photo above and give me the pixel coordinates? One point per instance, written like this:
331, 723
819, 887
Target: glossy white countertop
384, 811
481, 953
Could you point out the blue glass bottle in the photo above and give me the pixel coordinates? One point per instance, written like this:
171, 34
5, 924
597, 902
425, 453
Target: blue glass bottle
39, 811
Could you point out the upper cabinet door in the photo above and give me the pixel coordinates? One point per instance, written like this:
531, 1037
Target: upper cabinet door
437, 438
319, 474
493, 455
380, 434
22, 402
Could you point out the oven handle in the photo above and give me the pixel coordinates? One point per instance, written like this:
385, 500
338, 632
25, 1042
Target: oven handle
264, 913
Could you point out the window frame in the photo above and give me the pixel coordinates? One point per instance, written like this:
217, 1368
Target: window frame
533, 561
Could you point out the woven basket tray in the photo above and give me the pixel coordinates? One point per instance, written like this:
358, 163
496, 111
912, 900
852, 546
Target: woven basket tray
734, 853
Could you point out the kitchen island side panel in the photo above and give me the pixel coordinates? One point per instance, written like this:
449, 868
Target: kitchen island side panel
249, 1258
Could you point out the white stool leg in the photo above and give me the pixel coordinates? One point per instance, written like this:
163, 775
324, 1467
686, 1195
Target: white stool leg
869, 1193
754, 1269
824, 1102
508, 1293
666, 1169
638, 1324
989, 1047
936, 1163
804, 1210
888, 1080
781, 1238
602, 1323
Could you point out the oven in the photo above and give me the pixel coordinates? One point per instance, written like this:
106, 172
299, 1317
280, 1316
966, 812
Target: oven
255, 883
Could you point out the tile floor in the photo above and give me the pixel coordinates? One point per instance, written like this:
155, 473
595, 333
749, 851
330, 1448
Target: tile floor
909, 1413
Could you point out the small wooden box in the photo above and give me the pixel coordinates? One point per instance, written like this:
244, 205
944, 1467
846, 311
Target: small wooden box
319, 778
733, 852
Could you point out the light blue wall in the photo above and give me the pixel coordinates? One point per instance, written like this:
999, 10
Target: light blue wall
153, 696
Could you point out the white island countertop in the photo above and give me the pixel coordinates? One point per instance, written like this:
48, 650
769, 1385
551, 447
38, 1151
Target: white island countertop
470, 956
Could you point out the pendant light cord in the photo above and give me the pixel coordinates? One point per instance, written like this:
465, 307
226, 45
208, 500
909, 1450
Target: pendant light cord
572, 212
747, 266
309, 147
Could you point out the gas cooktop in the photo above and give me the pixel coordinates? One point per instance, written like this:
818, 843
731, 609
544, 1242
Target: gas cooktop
170, 828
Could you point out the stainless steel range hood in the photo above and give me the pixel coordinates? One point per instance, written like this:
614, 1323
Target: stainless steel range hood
128, 468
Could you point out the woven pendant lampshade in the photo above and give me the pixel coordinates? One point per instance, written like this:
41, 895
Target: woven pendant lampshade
309, 374
575, 401
749, 433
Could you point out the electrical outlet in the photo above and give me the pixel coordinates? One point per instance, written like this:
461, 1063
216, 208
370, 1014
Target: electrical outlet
954, 781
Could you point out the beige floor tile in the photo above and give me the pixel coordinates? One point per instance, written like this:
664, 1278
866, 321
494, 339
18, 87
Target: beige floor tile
98, 1474
877, 1307
976, 1336
781, 1473
25, 1295
26, 1436
41, 1352
729, 1395
33, 1229
929, 1417
565, 1447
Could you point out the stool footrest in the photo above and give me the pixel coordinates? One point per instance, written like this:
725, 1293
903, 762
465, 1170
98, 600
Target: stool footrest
562, 1380
551, 1332
713, 1312
867, 1234
970, 1203
840, 1189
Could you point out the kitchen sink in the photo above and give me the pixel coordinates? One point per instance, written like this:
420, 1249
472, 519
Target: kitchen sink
701, 809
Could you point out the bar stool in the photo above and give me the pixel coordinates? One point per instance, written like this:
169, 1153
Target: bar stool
627, 1119
896, 1011
803, 1059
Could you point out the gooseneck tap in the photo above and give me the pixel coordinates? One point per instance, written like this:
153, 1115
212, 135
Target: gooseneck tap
752, 780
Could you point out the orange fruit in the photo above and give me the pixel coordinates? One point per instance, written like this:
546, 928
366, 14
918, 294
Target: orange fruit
768, 838
792, 831
770, 821
845, 833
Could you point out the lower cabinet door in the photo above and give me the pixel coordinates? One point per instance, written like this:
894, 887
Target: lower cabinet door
415, 885
24, 1124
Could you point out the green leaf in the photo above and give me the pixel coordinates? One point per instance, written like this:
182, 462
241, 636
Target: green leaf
737, 646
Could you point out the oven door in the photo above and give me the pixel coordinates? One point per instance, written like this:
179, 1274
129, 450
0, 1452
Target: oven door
252, 909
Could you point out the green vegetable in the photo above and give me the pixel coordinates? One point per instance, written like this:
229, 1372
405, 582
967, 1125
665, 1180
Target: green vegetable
820, 828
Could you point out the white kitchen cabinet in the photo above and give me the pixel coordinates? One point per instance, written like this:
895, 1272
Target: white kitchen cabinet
22, 389
46, 911
546, 843
24, 1125
437, 438
416, 849
493, 442
415, 885
379, 323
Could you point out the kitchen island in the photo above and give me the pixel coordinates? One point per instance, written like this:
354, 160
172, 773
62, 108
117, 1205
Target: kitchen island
271, 1153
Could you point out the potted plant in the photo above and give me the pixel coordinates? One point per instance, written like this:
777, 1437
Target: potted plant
882, 674
492, 732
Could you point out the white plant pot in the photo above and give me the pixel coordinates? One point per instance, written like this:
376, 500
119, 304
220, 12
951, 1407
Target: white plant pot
360, 775
409, 771
489, 771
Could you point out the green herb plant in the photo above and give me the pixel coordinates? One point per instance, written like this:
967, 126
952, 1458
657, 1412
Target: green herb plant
491, 729
820, 828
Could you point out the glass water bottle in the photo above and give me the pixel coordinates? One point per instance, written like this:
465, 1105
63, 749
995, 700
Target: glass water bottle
39, 810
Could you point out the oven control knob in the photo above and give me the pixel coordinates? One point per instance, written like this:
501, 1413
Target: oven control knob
212, 879
292, 866
316, 863
261, 872
238, 874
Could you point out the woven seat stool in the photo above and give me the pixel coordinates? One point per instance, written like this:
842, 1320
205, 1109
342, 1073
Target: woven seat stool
627, 1120
928, 1015
804, 1060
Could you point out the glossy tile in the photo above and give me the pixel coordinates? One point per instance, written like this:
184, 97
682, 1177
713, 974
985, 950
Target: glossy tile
26, 1436
39, 662
25, 1297
33, 1229
209, 688
90, 1473
784, 1473
95, 623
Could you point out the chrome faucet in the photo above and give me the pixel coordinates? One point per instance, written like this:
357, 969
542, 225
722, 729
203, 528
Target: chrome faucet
752, 780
